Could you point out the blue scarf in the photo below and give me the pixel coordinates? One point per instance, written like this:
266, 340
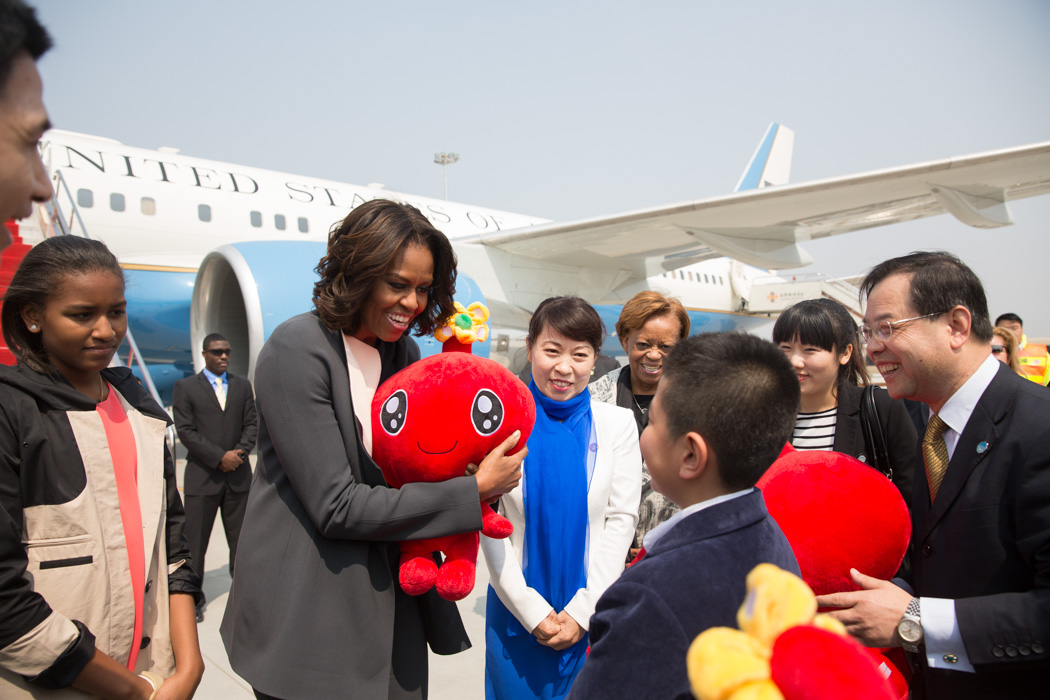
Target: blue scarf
556, 503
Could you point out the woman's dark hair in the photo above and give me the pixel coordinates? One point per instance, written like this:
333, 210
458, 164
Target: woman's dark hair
43, 270
825, 324
361, 249
572, 317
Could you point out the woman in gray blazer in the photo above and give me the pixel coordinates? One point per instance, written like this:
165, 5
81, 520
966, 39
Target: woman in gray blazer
315, 610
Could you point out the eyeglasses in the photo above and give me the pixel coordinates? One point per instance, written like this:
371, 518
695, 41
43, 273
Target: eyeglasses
996, 349
219, 352
883, 330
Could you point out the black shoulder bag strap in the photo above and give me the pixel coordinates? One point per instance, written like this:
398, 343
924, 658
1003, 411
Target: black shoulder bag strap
874, 439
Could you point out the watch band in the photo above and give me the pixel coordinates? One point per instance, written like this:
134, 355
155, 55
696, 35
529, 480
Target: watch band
909, 629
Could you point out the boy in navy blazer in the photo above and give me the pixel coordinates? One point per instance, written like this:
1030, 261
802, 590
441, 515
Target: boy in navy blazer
722, 412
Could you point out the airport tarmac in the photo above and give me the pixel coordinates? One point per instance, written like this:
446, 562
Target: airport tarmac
457, 677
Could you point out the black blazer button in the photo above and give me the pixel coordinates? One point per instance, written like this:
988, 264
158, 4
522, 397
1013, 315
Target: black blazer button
1011, 650
997, 651
1037, 648
149, 585
927, 550
145, 643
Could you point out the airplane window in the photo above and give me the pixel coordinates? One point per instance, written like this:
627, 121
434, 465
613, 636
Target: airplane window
256, 219
706, 280
278, 221
690, 276
204, 212
721, 281
85, 198
116, 201
149, 206
304, 225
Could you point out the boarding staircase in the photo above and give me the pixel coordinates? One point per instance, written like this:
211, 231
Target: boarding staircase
772, 295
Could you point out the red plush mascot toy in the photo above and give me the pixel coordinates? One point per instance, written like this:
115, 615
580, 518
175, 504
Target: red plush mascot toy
838, 513
433, 421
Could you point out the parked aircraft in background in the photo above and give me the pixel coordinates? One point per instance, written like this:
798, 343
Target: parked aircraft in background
215, 246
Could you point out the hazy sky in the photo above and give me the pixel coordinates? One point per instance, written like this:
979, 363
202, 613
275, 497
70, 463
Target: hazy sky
570, 110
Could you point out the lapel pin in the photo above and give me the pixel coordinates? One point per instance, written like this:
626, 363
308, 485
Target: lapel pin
982, 448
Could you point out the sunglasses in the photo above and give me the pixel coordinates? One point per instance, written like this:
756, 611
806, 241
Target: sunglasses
219, 352
996, 349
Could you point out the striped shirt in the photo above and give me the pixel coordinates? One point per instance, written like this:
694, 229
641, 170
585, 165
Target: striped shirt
815, 431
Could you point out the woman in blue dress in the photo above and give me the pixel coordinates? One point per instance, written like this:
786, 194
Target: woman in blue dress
574, 514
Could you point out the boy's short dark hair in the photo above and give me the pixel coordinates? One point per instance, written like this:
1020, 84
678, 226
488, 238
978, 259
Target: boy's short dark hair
740, 393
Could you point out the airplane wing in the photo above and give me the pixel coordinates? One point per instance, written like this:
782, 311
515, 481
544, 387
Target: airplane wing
765, 227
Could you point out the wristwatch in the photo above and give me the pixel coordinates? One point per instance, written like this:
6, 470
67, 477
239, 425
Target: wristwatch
910, 628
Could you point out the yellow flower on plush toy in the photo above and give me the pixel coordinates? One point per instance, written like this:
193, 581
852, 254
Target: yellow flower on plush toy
784, 650
467, 325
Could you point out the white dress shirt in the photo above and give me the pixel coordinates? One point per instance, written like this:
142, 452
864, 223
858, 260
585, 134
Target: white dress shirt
940, 626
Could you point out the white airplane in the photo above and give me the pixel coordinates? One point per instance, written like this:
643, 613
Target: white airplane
239, 244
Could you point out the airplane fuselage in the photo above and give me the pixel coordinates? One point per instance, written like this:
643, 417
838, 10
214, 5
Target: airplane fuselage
162, 212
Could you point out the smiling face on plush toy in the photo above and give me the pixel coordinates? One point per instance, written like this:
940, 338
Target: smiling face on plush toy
435, 417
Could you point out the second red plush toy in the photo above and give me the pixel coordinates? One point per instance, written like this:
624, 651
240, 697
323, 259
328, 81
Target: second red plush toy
838, 513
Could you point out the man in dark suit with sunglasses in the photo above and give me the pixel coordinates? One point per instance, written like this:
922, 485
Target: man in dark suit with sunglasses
217, 424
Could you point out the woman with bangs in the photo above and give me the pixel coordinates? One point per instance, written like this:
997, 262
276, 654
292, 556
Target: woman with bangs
823, 343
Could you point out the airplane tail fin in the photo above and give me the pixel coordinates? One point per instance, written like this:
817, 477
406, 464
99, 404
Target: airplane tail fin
771, 163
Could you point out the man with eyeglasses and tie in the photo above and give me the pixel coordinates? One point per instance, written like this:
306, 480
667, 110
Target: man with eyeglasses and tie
975, 616
217, 424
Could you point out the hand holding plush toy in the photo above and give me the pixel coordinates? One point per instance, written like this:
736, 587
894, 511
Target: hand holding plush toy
435, 420
783, 650
838, 513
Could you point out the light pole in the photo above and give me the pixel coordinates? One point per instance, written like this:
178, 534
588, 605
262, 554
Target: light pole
445, 160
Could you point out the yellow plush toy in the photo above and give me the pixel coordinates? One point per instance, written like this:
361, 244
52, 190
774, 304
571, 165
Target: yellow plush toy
783, 650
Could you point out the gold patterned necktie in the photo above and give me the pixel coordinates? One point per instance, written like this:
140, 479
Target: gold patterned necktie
935, 453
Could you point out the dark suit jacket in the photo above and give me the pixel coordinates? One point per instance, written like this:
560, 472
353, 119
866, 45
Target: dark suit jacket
312, 610
985, 543
207, 432
897, 426
692, 580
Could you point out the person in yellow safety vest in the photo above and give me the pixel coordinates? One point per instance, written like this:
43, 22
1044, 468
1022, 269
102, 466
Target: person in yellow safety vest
1034, 358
